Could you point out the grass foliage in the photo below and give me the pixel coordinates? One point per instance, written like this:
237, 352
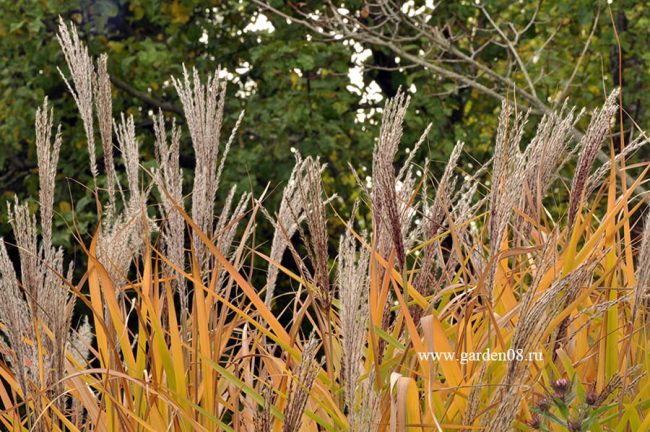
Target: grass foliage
196, 324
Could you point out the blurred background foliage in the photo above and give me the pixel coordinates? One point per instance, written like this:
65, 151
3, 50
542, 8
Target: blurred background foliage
301, 91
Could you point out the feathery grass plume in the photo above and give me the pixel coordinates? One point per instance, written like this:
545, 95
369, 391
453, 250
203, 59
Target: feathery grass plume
434, 222
407, 167
361, 399
546, 155
24, 227
465, 205
406, 184
78, 346
45, 300
508, 175
15, 315
285, 225
125, 133
82, 72
596, 178
474, 398
224, 231
368, 417
310, 189
393, 195
263, 419
536, 315
79, 342
48, 156
301, 383
104, 108
41, 299
642, 273
409, 206
120, 240
54, 299
386, 215
353, 288
203, 105
169, 179
226, 150
227, 222
588, 147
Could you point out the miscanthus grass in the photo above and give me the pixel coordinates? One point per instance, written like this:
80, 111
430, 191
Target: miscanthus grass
183, 336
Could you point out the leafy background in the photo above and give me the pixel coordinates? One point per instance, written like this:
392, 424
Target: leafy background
294, 86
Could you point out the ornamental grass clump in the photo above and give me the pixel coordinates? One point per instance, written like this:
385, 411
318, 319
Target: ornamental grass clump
200, 319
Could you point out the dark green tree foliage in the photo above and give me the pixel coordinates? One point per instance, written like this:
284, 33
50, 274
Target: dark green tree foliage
294, 83
293, 89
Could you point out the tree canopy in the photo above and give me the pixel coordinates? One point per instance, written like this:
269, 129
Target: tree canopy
310, 84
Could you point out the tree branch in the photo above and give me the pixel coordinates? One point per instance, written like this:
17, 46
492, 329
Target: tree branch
146, 98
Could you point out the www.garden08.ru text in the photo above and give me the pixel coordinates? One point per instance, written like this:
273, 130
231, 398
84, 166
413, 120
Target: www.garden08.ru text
484, 356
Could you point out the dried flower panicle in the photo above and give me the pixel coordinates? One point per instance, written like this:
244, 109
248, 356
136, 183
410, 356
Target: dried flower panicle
40, 295
301, 384
588, 147
353, 287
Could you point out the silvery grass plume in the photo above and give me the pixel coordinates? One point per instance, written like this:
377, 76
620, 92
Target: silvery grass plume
285, 224
15, 315
588, 150
169, 180
406, 185
595, 180
537, 312
465, 205
225, 229
263, 419
291, 214
302, 380
313, 203
48, 158
119, 239
388, 219
368, 417
203, 105
353, 281
434, 220
104, 106
41, 297
508, 175
393, 194
91, 87
546, 156
82, 71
